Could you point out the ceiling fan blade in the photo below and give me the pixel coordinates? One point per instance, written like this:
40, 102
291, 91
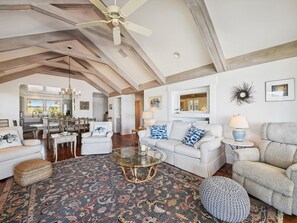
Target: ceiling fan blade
138, 29
99, 5
131, 6
88, 24
116, 35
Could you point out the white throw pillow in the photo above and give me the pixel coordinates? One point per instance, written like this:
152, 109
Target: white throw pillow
207, 137
100, 129
9, 138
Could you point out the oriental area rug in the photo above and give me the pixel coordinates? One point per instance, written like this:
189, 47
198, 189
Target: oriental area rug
93, 189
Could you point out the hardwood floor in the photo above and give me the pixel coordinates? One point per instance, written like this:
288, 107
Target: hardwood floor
124, 141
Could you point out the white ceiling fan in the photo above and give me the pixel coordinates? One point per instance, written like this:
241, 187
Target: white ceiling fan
116, 16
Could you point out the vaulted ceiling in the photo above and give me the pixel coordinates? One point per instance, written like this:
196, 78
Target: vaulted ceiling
191, 38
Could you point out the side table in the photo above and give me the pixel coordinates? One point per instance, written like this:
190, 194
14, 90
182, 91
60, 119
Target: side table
63, 138
236, 145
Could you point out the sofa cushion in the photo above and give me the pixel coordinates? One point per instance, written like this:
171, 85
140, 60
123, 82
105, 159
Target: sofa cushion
31, 142
266, 175
206, 137
168, 144
193, 136
216, 130
187, 151
9, 138
96, 139
18, 151
179, 130
150, 141
159, 131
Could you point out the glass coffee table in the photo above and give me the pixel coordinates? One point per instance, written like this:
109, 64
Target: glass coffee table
138, 167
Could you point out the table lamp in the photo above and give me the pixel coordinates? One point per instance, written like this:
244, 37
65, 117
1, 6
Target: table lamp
239, 123
147, 116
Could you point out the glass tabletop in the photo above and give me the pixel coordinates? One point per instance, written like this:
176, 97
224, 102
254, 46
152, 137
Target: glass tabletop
132, 157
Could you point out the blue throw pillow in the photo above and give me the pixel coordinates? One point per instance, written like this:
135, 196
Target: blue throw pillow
193, 136
159, 131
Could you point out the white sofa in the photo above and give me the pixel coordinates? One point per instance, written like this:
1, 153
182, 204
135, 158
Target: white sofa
97, 144
11, 156
204, 159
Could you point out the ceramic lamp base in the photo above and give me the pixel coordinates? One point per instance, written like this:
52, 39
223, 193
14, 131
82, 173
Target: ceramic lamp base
239, 135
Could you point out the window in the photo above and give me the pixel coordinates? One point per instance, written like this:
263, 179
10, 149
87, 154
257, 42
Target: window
35, 106
52, 106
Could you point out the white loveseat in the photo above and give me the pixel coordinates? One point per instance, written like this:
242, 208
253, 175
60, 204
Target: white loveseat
11, 156
204, 159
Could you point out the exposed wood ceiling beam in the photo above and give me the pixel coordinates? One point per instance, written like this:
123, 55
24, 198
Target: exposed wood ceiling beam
128, 90
113, 94
28, 2
101, 76
148, 85
21, 74
137, 51
15, 7
18, 62
13, 43
279, 52
203, 21
70, 52
67, 17
64, 66
146, 60
191, 74
81, 36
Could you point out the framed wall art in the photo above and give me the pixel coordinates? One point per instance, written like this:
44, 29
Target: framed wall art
280, 90
155, 102
84, 105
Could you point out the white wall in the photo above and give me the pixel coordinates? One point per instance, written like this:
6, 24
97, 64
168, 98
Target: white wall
221, 86
123, 107
9, 94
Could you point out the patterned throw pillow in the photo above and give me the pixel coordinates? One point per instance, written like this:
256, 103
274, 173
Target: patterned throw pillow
100, 129
158, 131
193, 136
9, 138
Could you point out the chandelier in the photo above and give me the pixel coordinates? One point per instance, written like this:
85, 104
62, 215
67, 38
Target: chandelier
69, 91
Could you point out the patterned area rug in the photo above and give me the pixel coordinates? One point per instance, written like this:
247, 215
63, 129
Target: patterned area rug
92, 189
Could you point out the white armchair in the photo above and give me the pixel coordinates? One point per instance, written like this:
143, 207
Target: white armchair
98, 140
270, 172
18, 151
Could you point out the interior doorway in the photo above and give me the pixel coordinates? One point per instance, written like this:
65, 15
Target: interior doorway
137, 114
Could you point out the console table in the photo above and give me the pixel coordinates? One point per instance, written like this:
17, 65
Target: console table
64, 138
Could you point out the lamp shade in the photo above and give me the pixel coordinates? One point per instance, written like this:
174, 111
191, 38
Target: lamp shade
147, 115
239, 122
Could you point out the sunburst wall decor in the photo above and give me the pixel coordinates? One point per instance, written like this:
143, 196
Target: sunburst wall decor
243, 94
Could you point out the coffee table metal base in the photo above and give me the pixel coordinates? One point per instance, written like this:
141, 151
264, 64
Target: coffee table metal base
131, 174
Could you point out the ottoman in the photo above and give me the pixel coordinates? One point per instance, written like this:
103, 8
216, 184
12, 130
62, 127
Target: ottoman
32, 171
225, 199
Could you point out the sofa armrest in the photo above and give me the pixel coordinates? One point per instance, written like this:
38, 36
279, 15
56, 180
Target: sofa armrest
86, 134
250, 154
207, 147
291, 172
141, 134
31, 142
109, 134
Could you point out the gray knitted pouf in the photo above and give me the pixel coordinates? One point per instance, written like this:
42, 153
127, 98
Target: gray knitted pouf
225, 199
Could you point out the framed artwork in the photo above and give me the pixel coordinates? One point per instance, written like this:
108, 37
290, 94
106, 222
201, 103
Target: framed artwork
84, 105
155, 102
280, 90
